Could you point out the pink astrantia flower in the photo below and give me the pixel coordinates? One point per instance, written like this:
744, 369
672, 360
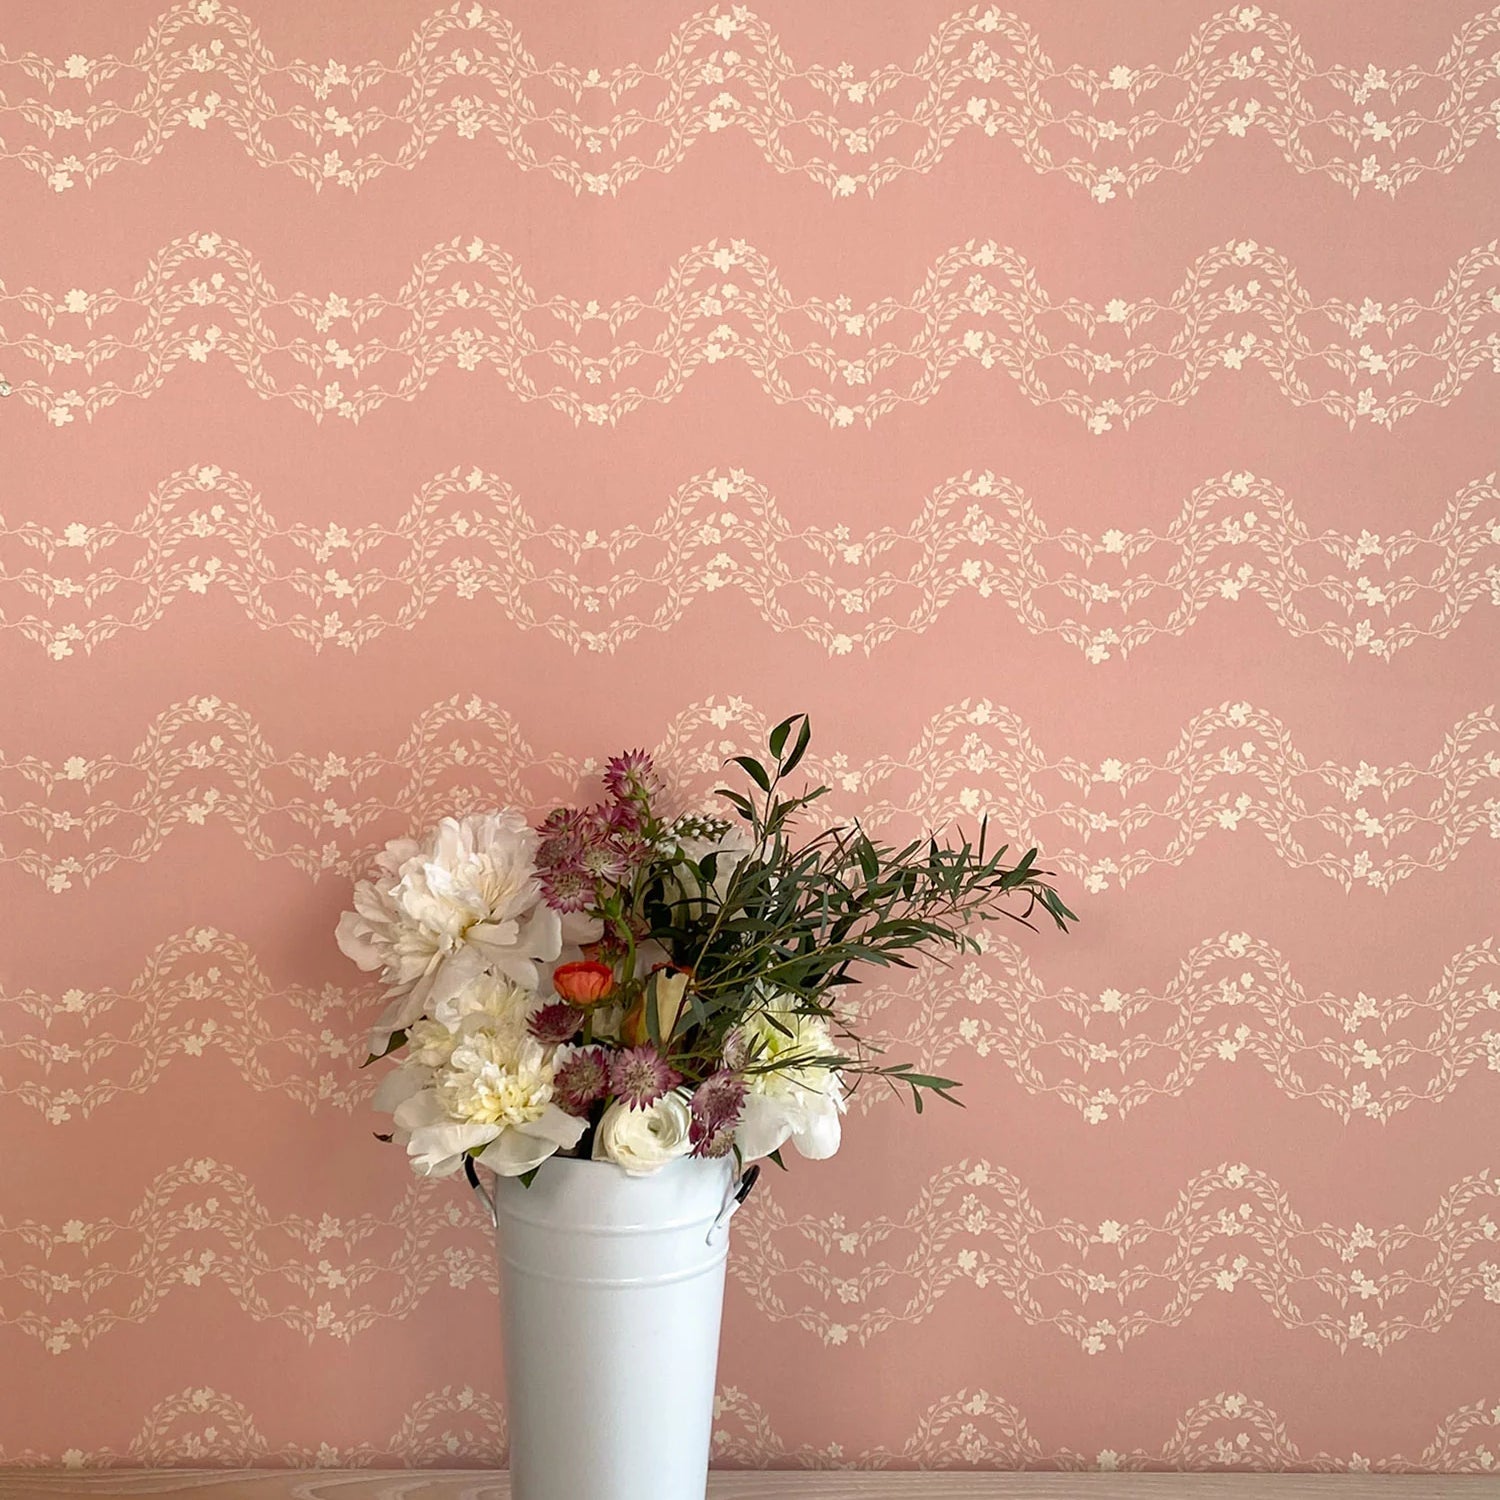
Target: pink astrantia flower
561, 835
555, 1023
582, 849
632, 777
716, 1105
639, 1076
566, 888
604, 860
582, 1080
621, 820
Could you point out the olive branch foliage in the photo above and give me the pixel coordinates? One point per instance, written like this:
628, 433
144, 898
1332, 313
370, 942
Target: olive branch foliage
803, 918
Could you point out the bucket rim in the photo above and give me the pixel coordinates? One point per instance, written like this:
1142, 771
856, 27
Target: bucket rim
695, 1163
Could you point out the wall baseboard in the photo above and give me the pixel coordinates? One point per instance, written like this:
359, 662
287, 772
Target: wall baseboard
473, 1484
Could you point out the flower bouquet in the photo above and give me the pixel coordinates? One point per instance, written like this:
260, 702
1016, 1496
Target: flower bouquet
654, 1000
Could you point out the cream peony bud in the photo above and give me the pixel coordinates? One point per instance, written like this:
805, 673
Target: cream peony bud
642, 1141
668, 993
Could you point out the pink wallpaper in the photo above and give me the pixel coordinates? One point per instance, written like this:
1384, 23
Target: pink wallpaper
1088, 414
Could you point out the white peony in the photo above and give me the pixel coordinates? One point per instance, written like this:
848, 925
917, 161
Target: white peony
643, 1140
444, 911
495, 1092
489, 1002
799, 1102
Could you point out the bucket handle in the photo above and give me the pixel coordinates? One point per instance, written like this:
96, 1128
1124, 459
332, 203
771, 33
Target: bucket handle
486, 1195
739, 1190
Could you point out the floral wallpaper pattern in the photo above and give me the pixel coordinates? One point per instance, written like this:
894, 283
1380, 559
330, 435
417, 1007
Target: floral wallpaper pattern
1087, 412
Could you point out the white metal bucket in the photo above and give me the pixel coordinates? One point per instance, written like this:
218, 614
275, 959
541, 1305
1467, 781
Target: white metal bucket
611, 1289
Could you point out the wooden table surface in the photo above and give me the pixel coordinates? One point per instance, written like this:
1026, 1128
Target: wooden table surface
469, 1484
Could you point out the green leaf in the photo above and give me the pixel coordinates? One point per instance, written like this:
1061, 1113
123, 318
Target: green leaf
804, 736
776, 1157
653, 1014
398, 1039
754, 770
740, 804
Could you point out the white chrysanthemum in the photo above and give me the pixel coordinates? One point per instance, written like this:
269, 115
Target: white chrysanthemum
487, 1003
444, 911
429, 1044
800, 1101
495, 1091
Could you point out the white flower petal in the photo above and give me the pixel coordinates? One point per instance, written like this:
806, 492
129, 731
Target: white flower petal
456, 971
353, 937
578, 928
556, 1125
765, 1126
437, 1150
818, 1137
419, 1110
397, 1016
514, 1151
399, 1085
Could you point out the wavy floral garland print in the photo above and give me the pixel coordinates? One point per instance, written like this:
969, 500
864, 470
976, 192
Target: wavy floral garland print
468, 74
1086, 412
1237, 539
1234, 770
1238, 309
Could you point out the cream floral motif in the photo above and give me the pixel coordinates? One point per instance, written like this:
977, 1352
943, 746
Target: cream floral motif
204, 1427
1101, 1284
1267, 691
1232, 1230
1228, 1430
1233, 1001
204, 1224
1236, 540
1239, 311
202, 994
468, 74
1234, 771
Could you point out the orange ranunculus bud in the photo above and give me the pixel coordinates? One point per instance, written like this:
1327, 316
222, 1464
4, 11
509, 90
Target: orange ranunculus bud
584, 984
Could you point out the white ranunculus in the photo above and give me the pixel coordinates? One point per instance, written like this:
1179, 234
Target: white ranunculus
494, 1092
643, 1140
464, 902
795, 1101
